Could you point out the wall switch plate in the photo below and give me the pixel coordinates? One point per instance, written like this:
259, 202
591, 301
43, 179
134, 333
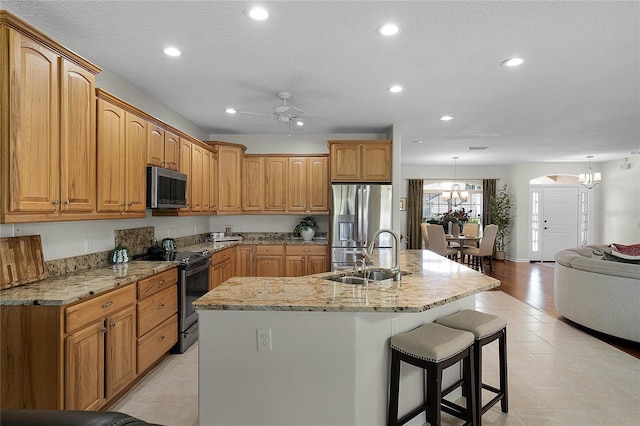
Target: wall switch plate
264, 339
394, 326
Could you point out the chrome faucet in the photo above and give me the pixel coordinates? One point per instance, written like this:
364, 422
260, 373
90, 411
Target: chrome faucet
365, 276
396, 267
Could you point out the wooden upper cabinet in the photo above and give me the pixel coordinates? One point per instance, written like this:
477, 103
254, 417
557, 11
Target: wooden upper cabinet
206, 180
155, 145
135, 160
171, 150
77, 139
111, 153
253, 187
49, 115
229, 178
360, 161
275, 183
213, 183
308, 185
185, 167
197, 157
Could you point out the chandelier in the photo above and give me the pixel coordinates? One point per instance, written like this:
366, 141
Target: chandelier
456, 195
590, 178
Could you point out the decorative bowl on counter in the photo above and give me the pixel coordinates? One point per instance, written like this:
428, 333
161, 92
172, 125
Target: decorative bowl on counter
120, 255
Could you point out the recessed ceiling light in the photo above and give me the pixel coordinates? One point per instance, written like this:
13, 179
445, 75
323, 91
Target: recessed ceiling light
476, 148
513, 62
230, 111
300, 123
446, 118
172, 51
388, 29
417, 142
258, 13
395, 89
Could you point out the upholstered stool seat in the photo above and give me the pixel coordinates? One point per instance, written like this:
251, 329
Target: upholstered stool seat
433, 348
486, 328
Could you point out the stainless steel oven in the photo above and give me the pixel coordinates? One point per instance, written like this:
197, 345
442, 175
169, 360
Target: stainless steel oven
193, 282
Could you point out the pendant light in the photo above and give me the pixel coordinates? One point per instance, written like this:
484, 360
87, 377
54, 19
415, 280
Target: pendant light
589, 178
456, 195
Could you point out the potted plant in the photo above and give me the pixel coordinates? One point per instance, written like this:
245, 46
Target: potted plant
500, 211
306, 228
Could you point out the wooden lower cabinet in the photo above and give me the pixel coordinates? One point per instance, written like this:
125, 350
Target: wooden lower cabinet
83, 355
245, 260
305, 260
222, 267
269, 260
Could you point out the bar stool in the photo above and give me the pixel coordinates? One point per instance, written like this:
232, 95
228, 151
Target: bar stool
486, 328
433, 348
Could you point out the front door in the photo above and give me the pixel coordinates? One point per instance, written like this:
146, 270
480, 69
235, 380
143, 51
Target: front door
559, 220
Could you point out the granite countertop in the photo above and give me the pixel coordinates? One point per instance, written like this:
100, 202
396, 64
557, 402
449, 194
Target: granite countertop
432, 280
72, 287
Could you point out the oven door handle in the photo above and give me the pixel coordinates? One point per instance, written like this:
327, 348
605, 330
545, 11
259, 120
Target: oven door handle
196, 269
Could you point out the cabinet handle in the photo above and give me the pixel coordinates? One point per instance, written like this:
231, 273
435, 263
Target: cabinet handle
103, 330
67, 202
106, 305
130, 204
55, 202
306, 250
113, 324
160, 306
160, 339
160, 282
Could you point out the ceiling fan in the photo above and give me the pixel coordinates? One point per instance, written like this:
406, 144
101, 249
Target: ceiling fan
283, 113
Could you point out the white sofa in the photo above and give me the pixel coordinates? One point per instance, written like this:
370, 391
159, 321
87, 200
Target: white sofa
599, 294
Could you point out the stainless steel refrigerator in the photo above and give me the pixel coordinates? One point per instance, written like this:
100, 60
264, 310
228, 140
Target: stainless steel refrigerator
358, 211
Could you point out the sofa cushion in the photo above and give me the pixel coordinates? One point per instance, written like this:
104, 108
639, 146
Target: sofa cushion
606, 267
612, 257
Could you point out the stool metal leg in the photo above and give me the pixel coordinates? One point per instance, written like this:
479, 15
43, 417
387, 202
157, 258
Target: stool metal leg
394, 389
502, 348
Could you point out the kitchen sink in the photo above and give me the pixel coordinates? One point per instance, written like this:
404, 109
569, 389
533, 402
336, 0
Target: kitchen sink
356, 277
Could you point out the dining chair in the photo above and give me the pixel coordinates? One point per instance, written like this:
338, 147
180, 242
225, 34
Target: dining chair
476, 254
470, 230
438, 242
425, 235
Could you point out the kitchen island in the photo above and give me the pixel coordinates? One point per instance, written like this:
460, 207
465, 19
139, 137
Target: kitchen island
308, 351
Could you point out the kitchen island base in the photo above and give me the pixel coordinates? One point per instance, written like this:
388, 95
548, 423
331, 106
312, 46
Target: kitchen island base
323, 368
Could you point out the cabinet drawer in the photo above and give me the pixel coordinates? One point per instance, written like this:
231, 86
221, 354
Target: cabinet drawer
84, 313
157, 282
306, 250
154, 344
271, 250
157, 308
221, 256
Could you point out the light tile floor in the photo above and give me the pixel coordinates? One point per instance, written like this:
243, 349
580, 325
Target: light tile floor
558, 375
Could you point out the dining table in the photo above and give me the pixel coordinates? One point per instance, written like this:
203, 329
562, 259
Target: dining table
462, 240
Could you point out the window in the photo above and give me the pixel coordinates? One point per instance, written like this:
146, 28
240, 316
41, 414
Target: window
433, 204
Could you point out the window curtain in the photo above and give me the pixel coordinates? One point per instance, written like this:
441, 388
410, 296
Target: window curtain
488, 192
414, 213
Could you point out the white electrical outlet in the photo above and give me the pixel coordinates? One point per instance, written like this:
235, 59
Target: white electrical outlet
87, 245
264, 339
394, 326
17, 230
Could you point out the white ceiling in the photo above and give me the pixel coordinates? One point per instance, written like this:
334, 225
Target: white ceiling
577, 94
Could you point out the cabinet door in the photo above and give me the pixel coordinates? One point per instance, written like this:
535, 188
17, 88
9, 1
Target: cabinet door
269, 266
227, 269
345, 162
297, 184
171, 150
275, 183
111, 152
245, 264
229, 171
215, 276
185, 167
295, 266
77, 139
253, 187
121, 345
33, 173
84, 368
317, 184
376, 162
197, 157
206, 180
135, 159
155, 145
213, 189
316, 265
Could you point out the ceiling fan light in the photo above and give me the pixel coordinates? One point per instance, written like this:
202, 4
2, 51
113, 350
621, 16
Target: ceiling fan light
230, 111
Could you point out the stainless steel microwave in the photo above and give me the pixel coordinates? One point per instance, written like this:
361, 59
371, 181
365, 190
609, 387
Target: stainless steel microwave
166, 189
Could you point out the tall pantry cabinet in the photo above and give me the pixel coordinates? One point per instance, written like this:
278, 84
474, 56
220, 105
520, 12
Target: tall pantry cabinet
49, 126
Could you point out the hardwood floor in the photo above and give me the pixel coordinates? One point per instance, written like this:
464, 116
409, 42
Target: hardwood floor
532, 283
